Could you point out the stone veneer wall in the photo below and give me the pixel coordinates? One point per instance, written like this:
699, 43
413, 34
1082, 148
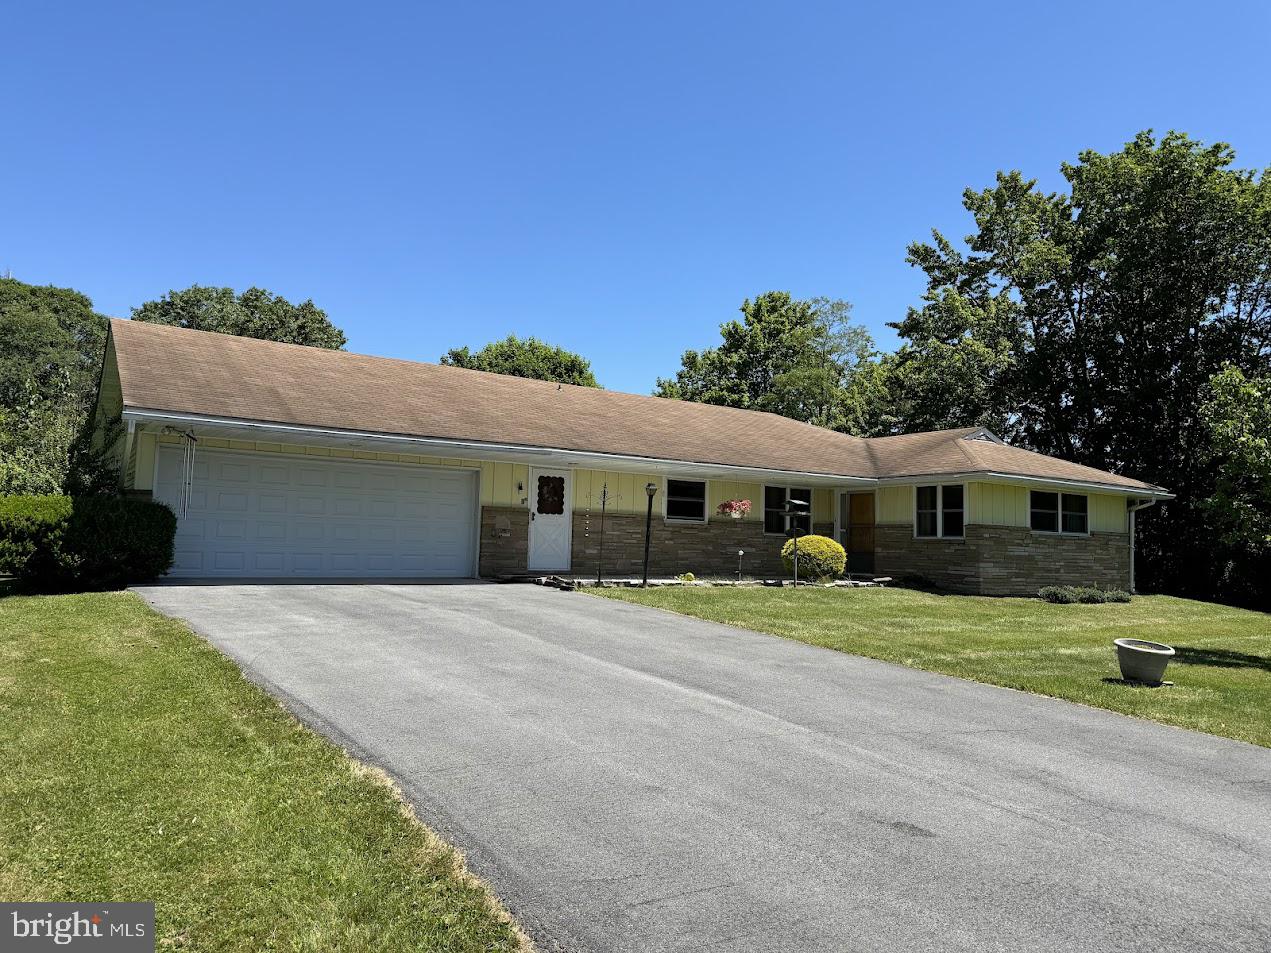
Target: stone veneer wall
708, 549
1004, 560
500, 554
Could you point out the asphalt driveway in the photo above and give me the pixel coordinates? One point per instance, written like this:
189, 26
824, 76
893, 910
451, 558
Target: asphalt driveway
633, 780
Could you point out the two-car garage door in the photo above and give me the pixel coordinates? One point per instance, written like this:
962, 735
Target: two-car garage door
285, 515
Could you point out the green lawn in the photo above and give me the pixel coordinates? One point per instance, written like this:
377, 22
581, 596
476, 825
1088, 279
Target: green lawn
140, 765
1222, 672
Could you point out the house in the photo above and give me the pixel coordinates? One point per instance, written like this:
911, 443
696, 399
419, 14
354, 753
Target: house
289, 461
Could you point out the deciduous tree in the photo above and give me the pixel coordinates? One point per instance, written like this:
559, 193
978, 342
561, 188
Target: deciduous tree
256, 313
803, 359
1088, 324
525, 357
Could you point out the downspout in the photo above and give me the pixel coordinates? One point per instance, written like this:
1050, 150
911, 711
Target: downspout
1134, 508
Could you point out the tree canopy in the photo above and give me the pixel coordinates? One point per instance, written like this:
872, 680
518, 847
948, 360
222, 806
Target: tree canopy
1237, 414
51, 342
1089, 324
256, 313
525, 357
51, 347
803, 359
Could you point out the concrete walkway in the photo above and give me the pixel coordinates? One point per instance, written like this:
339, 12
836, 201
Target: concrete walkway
631, 780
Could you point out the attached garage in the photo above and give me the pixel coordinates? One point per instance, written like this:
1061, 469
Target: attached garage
258, 515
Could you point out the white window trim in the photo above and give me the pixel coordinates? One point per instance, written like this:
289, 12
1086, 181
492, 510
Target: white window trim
966, 509
763, 507
706, 501
1059, 515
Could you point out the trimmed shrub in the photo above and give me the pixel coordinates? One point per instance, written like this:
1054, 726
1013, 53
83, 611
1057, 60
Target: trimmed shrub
24, 522
1091, 595
96, 542
819, 557
1064, 595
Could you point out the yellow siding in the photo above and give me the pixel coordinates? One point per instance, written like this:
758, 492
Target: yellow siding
143, 473
626, 490
1003, 504
997, 504
498, 480
1108, 514
721, 490
822, 505
106, 411
895, 504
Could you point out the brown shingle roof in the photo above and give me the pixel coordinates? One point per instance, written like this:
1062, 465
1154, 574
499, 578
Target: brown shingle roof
217, 375
949, 451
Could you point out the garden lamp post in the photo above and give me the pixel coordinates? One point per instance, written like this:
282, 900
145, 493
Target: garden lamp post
650, 489
796, 508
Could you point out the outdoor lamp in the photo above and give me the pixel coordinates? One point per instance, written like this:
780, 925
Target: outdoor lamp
650, 489
796, 508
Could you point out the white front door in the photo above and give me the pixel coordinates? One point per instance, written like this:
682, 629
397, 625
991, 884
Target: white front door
550, 526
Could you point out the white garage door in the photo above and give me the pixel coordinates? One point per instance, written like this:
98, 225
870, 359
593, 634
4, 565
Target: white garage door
262, 514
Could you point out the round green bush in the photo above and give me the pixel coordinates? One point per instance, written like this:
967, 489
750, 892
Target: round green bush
819, 556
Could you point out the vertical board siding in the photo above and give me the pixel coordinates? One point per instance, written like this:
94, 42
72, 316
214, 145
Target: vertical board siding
896, 504
822, 505
998, 504
1108, 514
143, 466
719, 491
626, 491
1004, 504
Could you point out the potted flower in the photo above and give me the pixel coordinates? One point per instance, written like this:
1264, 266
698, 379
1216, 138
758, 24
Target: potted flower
737, 509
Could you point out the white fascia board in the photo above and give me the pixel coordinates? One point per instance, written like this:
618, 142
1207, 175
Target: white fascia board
236, 428
1045, 482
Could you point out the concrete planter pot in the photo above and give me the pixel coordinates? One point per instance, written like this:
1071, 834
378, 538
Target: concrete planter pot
1142, 661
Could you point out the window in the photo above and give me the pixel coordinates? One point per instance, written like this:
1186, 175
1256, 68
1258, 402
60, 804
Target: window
928, 520
951, 511
551, 495
1058, 512
939, 512
1043, 512
1074, 513
775, 519
686, 500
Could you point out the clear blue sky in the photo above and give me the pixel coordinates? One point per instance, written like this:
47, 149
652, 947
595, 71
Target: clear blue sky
614, 178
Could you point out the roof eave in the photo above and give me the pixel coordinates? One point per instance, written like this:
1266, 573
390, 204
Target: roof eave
271, 431
1147, 492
